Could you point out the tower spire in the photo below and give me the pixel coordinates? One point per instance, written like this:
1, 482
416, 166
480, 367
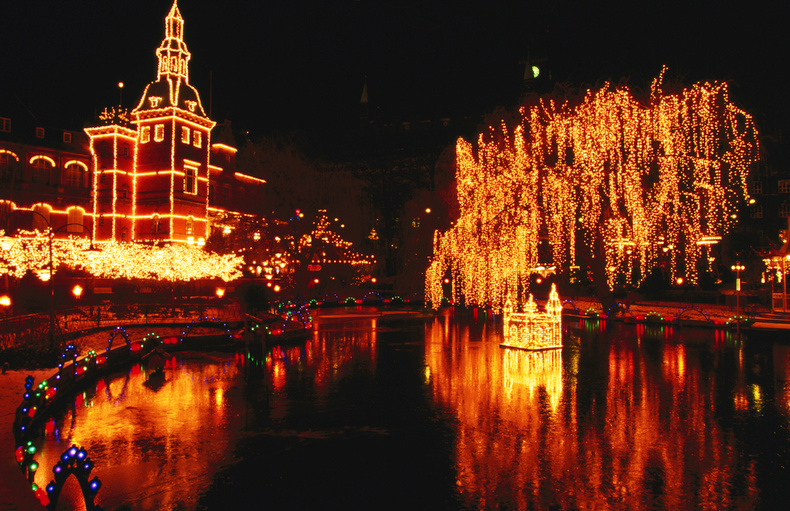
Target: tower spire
173, 54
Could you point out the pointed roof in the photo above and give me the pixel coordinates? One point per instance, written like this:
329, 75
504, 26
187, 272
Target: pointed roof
171, 87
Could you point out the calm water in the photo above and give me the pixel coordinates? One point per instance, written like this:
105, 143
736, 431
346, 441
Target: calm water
409, 413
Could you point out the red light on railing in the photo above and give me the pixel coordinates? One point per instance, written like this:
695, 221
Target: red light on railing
50, 393
101, 359
136, 346
170, 340
276, 331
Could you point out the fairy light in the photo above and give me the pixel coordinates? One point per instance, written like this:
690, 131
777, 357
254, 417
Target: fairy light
634, 177
176, 262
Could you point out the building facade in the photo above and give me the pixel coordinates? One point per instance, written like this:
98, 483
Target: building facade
154, 174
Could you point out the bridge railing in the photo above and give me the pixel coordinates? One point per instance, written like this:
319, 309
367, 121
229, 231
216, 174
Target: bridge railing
33, 329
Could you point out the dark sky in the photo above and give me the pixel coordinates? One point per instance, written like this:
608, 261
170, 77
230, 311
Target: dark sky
300, 64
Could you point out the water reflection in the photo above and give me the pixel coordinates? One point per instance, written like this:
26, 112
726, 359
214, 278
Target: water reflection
155, 442
378, 413
623, 417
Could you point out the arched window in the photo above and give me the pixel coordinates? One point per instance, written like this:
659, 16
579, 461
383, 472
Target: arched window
155, 224
75, 175
8, 162
42, 171
41, 220
190, 229
75, 217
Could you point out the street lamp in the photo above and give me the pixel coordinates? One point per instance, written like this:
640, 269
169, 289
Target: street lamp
737, 268
51, 278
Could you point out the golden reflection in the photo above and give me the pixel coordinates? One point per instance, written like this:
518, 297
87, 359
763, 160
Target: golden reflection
156, 441
533, 370
529, 425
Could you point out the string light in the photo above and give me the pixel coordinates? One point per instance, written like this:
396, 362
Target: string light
176, 262
621, 178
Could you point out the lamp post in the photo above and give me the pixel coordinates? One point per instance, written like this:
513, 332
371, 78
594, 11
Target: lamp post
50, 237
737, 268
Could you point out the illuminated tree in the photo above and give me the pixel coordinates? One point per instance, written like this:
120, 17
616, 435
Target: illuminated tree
619, 182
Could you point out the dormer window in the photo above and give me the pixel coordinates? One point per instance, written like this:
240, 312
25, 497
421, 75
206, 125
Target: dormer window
191, 105
154, 100
66, 138
39, 132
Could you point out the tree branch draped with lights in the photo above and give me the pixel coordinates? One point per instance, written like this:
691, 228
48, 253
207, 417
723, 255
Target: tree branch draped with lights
176, 262
617, 182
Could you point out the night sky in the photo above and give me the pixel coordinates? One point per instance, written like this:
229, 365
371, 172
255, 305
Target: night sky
301, 65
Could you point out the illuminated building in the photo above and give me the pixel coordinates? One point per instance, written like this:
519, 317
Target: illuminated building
153, 174
155, 168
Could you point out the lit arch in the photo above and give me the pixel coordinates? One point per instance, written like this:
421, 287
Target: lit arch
77, 162
11, 153
37, 157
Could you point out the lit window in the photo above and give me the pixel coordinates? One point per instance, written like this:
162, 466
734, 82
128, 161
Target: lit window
39, 132
155, 224
190, 228
190, 180
184, 134
196, 139
66, 138
75, 220
74, 176
159, 132
145, 134
5, 124
784, 186
41, 217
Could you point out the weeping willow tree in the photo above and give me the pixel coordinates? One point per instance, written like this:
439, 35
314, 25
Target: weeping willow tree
621, 182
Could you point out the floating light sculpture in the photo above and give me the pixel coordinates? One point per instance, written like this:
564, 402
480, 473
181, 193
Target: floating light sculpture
534, 329
628, 182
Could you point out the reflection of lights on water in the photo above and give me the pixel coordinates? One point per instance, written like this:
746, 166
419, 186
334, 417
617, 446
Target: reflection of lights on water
427, 374
535, 369
757, 398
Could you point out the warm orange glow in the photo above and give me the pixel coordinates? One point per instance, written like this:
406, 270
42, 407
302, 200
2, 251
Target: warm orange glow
176, 262
77, 290
631, 181
220, 292
5, 301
